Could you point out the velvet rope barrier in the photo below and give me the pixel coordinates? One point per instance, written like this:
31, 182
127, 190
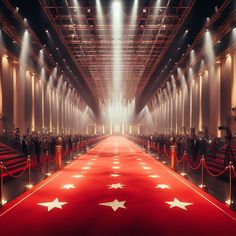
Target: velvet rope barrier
233, 170
215, 175
182, 159
193, 167
16, 176
1, 183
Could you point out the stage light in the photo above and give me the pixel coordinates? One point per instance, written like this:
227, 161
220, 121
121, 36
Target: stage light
3, 202
29, 186
186, 31
46, 31
183, 174
88, 10
202, 186
144, 10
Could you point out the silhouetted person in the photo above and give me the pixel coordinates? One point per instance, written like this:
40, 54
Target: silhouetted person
37, 149
25, 145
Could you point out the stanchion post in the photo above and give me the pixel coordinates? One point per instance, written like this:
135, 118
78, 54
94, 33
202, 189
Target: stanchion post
202, 185
1, 183
47, 162
183, 172
230, 201
172, 156
29, 186
58, 152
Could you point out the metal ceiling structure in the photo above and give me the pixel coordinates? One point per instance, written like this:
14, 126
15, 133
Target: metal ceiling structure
89, 43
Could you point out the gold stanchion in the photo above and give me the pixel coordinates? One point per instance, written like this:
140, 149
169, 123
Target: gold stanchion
1, 183
29, 185
202, 185
183, 172
47, 159
230, 201
172, 156
58, 152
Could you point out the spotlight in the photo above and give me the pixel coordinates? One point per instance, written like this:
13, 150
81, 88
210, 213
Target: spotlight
186, 31
46, 31
88, 10
144, 10
28, 186
3, 202
48, 174
183, 174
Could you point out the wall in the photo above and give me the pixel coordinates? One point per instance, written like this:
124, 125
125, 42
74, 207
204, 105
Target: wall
205, 101
26, 101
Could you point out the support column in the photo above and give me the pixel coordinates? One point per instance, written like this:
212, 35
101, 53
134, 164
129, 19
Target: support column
200, 103
33, 104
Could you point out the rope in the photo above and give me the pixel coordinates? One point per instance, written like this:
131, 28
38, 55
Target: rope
16, 176
193, 167
234, 173
215, 175
181, 160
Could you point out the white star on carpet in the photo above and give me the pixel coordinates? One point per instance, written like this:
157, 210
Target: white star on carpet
86, 168
114, 205
54, 204
89, 163
138, 159
116, 167
116, 186
68, 186
114, 175
163, 186
142, 163
154, 176
146, 168
116, 162
94, 159
177, 203
78, 176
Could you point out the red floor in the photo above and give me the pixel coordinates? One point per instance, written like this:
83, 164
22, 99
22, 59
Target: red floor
116, 189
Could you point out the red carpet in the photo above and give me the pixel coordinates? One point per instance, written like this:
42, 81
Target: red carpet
116, 189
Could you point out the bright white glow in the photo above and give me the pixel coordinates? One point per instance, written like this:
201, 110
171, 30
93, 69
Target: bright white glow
134, 13
117, 47
208, 47
192, 57
24, 48
3, 202
2, 45
233, 37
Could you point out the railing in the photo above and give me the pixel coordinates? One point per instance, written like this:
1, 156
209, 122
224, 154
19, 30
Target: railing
184, 159
48, 160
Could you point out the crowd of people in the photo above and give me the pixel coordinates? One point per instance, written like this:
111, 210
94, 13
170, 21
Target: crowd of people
194, 145
35, 144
